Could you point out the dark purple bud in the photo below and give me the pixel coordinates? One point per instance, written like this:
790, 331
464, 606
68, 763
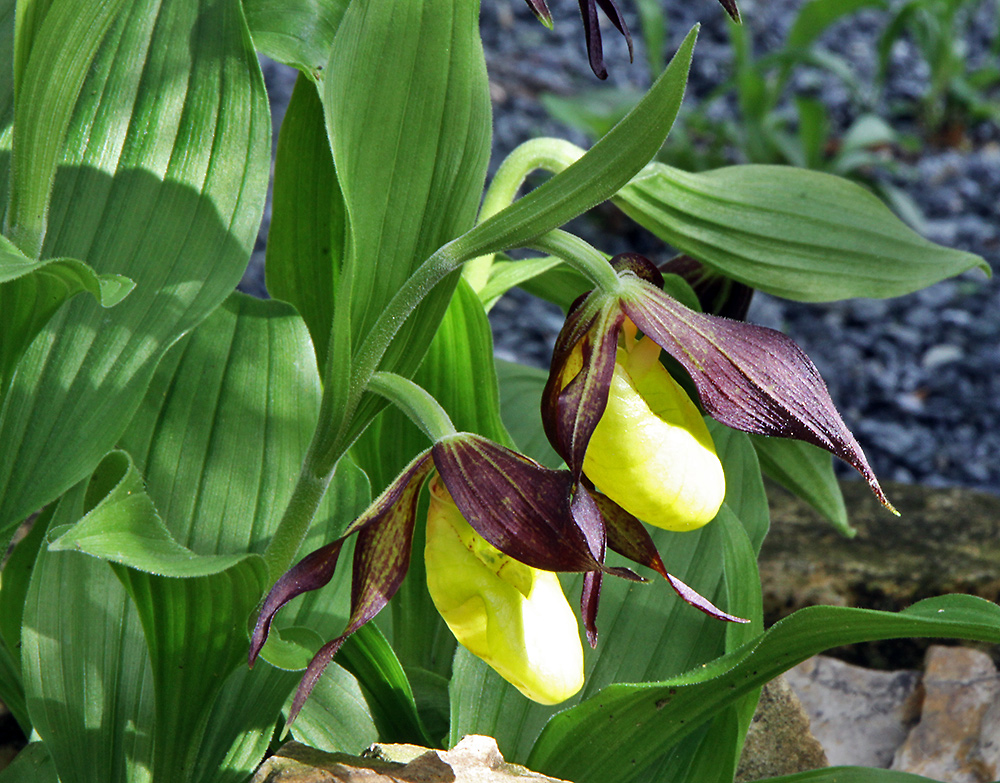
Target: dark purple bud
592, 32
541, 11
717, 294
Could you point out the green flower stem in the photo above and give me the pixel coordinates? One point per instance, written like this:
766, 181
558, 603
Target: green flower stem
416, 402
552, 155
348, 380
581, 255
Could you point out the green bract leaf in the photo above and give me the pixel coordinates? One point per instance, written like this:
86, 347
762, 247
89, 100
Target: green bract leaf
161, 178
790, 232
86, 672
658, 714
596, 176
295, 32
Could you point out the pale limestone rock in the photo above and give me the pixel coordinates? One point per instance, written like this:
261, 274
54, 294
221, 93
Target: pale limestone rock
473, 760
779, 741
957, 738
860, 716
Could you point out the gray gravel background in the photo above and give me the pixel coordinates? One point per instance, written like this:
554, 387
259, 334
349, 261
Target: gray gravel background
917, 378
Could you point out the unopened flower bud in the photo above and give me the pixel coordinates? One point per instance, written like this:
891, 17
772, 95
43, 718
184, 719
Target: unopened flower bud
511, 615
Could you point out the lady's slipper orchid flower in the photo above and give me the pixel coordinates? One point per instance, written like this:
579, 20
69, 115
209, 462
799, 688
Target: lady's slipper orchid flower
651, 452
748, 377
592, 28
511, 615
541, 519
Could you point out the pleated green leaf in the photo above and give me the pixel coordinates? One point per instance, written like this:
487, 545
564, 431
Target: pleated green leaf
54, 44
7, 8
410, 151
336, 717
220, 439
307, 238
646, 633
160, 177
14, 582
125, 528
649, 716
520, 405
87, 678
367, 655
807, 471
791, 232
295, 32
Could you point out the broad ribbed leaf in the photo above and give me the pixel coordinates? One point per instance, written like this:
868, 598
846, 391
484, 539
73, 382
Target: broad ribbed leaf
220, 438
806, 471
520, 394
306, 241
336, 717
790, 232
7, 8
54, 44
368, 656
654, 715
645, 632
411, 151
597, 175
295, 32
86, 672
161, 179
125, 528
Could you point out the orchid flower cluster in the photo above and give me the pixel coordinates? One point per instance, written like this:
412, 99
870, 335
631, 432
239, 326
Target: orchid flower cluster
636, 451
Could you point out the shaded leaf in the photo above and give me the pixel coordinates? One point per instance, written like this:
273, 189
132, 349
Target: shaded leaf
806, 471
